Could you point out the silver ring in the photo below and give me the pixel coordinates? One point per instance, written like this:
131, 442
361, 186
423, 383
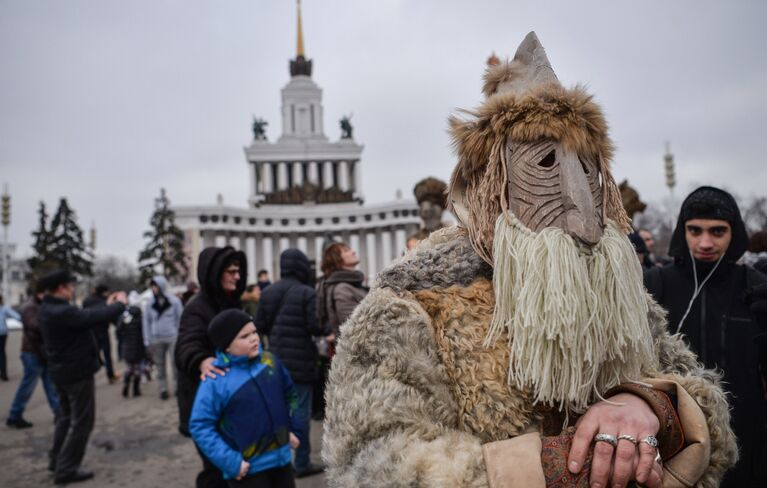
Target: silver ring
610, 439
651, 441
629, 438
658, 459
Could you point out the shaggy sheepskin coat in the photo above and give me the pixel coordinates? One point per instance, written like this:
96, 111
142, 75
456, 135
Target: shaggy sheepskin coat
413, 395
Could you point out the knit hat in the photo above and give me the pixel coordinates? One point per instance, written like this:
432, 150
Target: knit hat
226, 325
710, 203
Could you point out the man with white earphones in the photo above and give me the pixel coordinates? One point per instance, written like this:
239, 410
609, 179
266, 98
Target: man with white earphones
721, 309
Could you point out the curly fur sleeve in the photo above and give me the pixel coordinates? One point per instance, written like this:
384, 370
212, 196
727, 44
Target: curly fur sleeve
679, 363
390, 417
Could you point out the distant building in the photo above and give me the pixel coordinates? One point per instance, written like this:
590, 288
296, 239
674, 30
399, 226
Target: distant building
303, 190
18, 276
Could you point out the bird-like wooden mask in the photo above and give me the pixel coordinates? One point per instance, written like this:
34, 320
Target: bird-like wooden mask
549, 186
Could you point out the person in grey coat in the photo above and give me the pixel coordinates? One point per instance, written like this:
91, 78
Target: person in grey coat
161, 318
341, 288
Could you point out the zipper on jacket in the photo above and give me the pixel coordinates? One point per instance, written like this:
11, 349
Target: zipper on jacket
723, 342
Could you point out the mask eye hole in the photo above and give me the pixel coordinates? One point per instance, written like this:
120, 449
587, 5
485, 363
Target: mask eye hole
584, 166
548, 161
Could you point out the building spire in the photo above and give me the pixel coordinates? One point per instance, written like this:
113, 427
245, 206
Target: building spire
300, 65
300, 32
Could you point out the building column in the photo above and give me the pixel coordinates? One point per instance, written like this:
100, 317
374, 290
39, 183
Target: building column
258, 243
386, 248
284, 243
267, 256
266, 178
327, 174
311, 251
194, 249
313, 173
363, 254
234, 241
395, 250
354, 243
275, 265
298, 174
356, 178
343, 176
400, 237
282, 175
250, 253
318, 239
301, 244
253, 179
207, 238
372, 245
379, 249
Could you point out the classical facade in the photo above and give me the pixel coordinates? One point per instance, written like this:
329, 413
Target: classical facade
304, 189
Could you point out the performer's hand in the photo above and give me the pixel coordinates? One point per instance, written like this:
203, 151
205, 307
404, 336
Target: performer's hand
207, 370
294, 442
244, 467
629, 415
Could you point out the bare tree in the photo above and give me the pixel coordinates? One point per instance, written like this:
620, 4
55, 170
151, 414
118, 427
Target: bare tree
115, 272
755, 214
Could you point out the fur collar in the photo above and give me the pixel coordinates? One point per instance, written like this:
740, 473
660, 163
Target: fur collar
444, 259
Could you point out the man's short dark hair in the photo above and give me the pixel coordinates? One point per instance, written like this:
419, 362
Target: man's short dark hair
262, 272
101, 289
53, 280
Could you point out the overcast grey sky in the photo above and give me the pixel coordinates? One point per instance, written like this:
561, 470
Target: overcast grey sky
106, 101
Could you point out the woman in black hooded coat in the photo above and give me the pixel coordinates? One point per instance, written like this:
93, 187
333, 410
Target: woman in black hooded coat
193, 345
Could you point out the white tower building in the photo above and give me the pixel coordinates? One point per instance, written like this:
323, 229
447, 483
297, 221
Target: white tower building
304, 189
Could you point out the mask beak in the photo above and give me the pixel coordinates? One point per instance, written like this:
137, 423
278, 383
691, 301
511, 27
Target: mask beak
581, 220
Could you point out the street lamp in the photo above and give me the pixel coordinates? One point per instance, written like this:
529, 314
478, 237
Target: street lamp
668, 162
6, 221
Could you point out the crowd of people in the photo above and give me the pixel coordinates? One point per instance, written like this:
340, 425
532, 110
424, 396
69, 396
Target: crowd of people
212, 338
249, 362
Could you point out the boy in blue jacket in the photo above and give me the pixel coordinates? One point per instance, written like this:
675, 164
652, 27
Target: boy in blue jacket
243, 422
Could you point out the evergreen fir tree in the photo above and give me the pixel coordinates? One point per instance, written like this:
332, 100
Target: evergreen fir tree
164, 253
69, 250
41, 261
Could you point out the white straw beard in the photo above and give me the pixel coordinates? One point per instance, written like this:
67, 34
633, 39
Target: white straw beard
576, 318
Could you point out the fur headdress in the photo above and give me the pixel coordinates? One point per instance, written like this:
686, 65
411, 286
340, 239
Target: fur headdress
431, 189
524, 103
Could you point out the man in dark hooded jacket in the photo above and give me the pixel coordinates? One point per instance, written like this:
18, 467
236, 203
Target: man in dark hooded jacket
287, 315
719, 307
222, 274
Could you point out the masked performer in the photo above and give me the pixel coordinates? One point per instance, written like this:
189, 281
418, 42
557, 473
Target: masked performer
520, 348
